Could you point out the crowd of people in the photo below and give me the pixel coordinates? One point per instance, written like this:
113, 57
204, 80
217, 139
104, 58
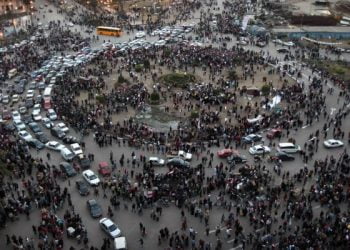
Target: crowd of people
262, 206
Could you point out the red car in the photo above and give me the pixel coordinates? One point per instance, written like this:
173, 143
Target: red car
223, 153
273, 133
104, 169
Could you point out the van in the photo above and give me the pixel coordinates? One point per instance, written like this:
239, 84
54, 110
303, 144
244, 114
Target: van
288, 147
67, 154
12, 73
120, 243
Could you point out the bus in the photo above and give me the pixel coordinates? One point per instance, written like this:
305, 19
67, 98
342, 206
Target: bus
108, 31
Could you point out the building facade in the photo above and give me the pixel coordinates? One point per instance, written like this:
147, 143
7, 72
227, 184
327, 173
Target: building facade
12, 6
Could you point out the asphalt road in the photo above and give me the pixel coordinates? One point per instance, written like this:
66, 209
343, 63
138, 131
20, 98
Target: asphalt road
171, 218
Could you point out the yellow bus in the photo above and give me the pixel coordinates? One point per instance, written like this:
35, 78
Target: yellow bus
108, 31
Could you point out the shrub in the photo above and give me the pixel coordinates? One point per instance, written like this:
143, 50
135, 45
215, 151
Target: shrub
121, 79
154, 98
101, 99
138, 67
194, 115
178, 80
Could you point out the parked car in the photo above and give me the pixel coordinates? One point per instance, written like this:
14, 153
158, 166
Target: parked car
51, 114
259, 149
22, 110
235, 159
24, 135
67, 169
70, 139
16, 115
54, 145
333, 143
47, 123
34, 127
104, 169
57, 132
184, 155
251, 138
284, 156
84, 163
41, 136
273, 133
67, 154
288, 147
178, 162
94, 208
91, 177
19, 125
110, 228
226, 152
76, 149
156, 161
120, 243
35, 143
63, 127
82, 187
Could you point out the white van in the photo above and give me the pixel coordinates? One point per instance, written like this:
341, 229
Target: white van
67, 154
120, 243
288, 147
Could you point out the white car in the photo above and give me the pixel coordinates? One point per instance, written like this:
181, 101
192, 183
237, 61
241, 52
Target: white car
47, 123
67, 154
333, 143
76, 149
25, 135
19, 125
15, 98
91, 178
22, 110
16, 115
51, 114
156, 161
36, 108
54, 145
184, 155
63, 127
140, 34
37, 117
30, 94
110, 228
5, 99
259, 150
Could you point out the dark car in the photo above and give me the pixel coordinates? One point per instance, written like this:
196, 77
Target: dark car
57, 132
178, 162
251, 138
284, 156
67, 169
42, 137
70, 139
19, 89
273, 133
27, 119
94, 208
82, 187
35, 143
84, 163
29, 103
283, 50
34, 127
235, 159
10, 127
